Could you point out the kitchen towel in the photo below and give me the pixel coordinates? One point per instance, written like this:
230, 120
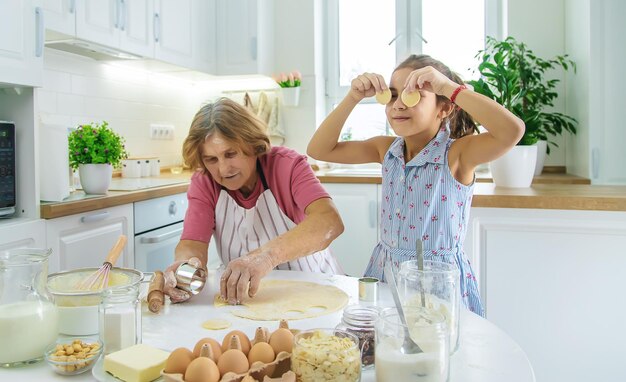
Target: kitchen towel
54, 174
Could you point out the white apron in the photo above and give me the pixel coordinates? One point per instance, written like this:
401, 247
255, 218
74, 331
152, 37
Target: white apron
238, 231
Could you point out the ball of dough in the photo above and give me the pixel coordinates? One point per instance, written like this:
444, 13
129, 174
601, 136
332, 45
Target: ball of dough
410, 99
383, 97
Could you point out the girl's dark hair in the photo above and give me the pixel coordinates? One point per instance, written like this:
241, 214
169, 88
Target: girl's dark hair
461, 123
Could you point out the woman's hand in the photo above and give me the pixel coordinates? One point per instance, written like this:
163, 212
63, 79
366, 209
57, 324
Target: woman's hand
249, 269
169, 287
366, 85
429, 79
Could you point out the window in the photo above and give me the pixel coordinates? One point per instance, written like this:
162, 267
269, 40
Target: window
376, 35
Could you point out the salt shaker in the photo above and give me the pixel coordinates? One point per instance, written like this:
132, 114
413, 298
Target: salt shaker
120, 318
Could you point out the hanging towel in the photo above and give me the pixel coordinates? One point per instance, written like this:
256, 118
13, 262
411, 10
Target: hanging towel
264, 107
274, 126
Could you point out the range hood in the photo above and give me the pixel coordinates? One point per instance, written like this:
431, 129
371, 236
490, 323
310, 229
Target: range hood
90, 49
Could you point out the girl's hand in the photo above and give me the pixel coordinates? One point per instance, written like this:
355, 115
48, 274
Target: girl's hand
366, 85
429, 79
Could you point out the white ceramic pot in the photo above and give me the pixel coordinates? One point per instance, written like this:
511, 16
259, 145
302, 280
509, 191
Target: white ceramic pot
291, 96
515, 168
95, 178
542, 149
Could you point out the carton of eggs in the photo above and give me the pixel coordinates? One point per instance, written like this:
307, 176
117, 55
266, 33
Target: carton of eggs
235, 359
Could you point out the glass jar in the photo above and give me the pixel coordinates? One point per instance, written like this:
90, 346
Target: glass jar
28, 317
326, 355
428, 329
360, 320
439, 286
120, 317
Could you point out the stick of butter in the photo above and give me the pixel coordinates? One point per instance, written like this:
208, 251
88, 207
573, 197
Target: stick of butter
137, 363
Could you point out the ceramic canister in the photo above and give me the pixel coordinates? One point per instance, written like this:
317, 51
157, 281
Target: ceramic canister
131, 168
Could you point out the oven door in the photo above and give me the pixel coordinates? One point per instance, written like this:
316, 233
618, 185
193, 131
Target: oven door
154, 250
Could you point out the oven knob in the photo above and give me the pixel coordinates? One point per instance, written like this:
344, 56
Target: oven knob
173, 208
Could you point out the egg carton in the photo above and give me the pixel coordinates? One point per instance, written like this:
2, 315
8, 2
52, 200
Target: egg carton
278, 371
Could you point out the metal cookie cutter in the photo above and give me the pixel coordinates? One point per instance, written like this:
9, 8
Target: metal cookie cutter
190, 278
368, 289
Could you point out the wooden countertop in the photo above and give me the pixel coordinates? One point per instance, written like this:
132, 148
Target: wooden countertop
550, 191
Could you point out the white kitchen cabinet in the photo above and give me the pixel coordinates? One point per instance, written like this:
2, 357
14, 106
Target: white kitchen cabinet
21, 43
84, 240
245, 37
553, 280
60, 16
173, 31
22, 233
358, 207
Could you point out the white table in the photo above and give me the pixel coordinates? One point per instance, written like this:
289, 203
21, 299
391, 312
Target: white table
485, 354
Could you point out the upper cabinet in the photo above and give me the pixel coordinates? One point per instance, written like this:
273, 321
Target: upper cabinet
21, 43
173, 31
245, 37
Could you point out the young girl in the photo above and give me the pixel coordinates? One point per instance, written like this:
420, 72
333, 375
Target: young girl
428, 169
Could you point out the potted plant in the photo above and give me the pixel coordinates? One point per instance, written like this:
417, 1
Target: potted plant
290, 86
94, 149
513, 76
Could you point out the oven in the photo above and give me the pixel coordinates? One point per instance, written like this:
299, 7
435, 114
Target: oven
158, 227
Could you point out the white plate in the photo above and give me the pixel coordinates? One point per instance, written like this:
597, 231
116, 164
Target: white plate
100, 375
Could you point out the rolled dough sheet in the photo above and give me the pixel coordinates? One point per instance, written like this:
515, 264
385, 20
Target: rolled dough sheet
289, 299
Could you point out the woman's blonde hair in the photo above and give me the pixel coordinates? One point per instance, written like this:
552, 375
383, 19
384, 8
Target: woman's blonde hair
234, 122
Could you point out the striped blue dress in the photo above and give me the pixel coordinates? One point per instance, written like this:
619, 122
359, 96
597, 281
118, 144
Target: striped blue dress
422, 199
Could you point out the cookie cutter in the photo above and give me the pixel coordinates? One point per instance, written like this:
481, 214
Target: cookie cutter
190, 278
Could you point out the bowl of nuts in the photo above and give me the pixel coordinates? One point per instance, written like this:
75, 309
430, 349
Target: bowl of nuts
71, 355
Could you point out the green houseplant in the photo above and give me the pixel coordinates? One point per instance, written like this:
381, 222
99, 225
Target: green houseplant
513, 76
94, 149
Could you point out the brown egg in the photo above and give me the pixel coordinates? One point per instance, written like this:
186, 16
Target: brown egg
261, 351
282, 340
232, 360
178, 361
215, 347
245, 341
202, 369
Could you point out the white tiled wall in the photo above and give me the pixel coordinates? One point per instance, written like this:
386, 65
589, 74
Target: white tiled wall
80, 90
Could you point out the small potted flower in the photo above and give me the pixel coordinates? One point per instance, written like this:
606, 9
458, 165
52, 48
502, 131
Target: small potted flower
290, 86
94, 149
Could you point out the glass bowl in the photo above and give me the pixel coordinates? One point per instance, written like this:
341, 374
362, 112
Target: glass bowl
82, 357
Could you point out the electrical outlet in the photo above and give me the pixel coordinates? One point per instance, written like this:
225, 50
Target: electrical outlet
161, 131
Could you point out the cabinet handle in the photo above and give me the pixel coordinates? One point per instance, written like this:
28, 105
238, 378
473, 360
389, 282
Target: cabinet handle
39, 32
122, 15
157, 27
117, 15
253, 48
160, 238
595, 162
72, 6
373, 211
173, 208
95, 217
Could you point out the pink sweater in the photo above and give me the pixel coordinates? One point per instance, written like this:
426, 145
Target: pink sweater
288, 175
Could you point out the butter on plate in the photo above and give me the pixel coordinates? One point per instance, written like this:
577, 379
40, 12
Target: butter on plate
137, 363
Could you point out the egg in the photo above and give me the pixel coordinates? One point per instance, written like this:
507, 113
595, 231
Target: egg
178, 361
282, 340
232, 360
261, 351
215, 348
202, 369
243, 338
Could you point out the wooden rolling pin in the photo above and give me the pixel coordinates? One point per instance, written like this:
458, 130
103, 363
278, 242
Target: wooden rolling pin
156, 298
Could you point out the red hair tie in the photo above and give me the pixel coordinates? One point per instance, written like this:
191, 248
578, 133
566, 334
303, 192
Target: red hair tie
456, 93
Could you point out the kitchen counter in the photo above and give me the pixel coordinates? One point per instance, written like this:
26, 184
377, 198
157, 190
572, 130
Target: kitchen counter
485, 354
551, 195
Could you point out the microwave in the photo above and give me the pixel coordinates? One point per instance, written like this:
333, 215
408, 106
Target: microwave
7, 168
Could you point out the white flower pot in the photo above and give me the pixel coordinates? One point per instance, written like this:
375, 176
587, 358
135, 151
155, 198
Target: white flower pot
516, 168
95, 178
291, 96
542, 149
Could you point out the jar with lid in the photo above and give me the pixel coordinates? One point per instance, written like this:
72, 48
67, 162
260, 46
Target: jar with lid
28, 317
120, 317
360, 320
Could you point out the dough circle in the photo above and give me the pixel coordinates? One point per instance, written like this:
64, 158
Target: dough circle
410, 99
289, 299
383, 97
216, 324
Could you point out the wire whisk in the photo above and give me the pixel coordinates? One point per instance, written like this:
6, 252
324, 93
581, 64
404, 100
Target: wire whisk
100, 279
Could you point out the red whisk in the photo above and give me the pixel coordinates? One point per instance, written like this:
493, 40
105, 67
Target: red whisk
100, 279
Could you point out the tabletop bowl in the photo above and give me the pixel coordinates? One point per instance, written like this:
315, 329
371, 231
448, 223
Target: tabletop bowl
83, 356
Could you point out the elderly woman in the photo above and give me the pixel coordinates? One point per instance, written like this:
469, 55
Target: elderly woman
263, 205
